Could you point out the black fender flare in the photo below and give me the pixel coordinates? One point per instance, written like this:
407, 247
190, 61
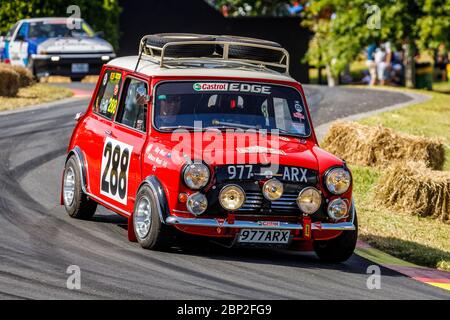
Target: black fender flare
160, 195
80, 160
76, 151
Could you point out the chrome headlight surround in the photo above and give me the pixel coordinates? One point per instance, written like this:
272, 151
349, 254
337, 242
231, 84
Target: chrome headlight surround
196, 175
272, 189
338, 209
197, 203
338, 180
309, 200
238, 192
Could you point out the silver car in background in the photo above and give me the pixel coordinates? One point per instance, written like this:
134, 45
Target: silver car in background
56, 46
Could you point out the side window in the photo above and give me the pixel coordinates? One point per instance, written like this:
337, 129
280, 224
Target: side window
105, 103
133, 105
23, 32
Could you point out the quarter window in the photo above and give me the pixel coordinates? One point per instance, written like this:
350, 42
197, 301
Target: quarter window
105, 103
133, 106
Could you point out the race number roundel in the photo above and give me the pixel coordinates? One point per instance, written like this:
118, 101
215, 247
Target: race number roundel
114, 171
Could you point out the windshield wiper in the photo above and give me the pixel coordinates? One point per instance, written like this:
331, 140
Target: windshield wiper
179, 127
283, 131
233, 125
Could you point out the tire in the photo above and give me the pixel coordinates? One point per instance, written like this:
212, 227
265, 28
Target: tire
32, 69
338, 249
80, 207
251, 53
158, 236
76, 78
195, 50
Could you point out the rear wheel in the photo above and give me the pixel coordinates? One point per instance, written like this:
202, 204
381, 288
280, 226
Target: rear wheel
76, 202
338, 249
150, 232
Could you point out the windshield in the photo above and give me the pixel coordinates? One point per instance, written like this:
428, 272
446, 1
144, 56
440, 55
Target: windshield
58, 28
230, 105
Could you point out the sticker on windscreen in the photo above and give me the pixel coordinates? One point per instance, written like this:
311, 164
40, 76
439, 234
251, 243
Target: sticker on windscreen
231, 87
299, 128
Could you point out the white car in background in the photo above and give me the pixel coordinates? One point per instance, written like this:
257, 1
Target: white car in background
50, 46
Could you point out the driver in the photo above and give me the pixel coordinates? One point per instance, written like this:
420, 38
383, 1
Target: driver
169, 109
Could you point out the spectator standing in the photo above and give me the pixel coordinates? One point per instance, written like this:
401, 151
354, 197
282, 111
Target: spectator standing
383, 61
370, 63
440, 62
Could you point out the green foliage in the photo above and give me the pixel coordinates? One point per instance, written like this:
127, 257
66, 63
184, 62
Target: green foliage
102, 15
253, 7
343, 27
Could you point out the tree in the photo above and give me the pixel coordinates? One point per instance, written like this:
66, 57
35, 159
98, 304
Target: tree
253, 7
353, 24
102, 15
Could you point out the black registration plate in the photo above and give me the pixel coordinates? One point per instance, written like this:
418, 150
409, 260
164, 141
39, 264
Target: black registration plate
256, 172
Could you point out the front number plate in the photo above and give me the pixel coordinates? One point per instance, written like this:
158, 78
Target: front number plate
264, 236
80, 67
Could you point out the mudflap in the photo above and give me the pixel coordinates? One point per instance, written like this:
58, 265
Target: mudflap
131, 234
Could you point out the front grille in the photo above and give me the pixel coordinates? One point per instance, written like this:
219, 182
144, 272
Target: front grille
256, 203
253, 202
286, 202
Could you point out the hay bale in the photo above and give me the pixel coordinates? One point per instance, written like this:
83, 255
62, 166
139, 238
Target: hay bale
25, 76
379, 146
413, 188
9, 81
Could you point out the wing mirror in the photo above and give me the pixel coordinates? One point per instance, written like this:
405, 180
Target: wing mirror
100, 34
78, 116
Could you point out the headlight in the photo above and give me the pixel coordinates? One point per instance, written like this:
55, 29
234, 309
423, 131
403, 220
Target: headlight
338, 180
197, 203
272, 189
196, 175
309, 200
337, 209
231, 197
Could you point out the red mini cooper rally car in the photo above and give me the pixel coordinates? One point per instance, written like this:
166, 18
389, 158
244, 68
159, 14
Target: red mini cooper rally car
209, 136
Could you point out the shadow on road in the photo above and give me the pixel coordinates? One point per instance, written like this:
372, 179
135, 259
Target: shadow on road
197, 246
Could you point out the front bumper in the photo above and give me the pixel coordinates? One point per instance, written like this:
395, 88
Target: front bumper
61, 64
240, 224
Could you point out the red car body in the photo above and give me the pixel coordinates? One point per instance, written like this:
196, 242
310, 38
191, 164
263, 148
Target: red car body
150, 164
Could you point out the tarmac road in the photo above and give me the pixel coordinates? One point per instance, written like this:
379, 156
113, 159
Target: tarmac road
38, 241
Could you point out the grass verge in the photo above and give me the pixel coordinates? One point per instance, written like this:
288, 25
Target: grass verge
33, 95
423, 241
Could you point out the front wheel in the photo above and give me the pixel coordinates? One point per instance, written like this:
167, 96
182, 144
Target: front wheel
76, 202
338, 249
150, 232
76, 78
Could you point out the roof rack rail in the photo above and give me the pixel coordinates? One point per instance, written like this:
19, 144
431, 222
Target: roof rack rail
151, 51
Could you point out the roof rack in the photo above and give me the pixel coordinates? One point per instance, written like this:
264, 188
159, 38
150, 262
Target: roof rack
159, 53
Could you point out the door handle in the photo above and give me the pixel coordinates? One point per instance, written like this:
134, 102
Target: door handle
108, 132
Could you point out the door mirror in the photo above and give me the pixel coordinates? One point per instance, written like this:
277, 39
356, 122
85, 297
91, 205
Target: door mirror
78, 116
100, 34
